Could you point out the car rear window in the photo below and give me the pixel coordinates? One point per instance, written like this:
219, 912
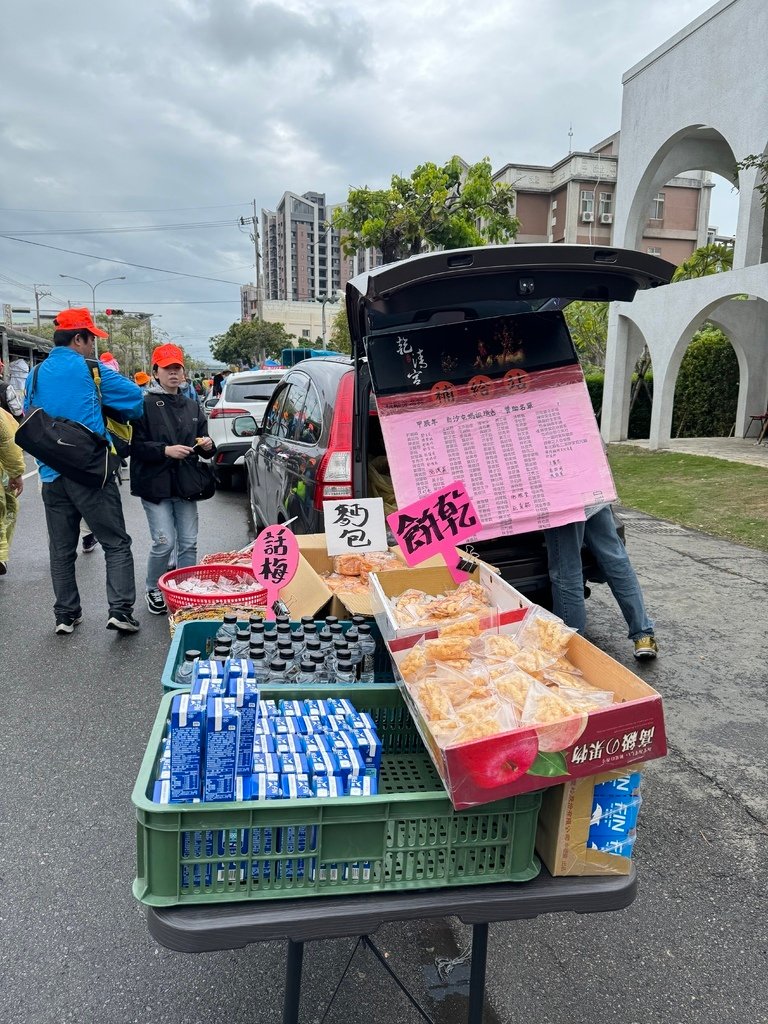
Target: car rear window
242, 391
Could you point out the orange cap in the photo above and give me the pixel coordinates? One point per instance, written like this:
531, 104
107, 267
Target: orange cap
78, 320
167, 355
141, 378
105, 357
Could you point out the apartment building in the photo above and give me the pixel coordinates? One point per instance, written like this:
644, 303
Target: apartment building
573, 202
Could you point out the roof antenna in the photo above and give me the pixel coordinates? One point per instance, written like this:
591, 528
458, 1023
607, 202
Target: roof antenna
570, 138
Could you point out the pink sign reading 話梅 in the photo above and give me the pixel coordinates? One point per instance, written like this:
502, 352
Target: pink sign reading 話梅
275, 558
434, 525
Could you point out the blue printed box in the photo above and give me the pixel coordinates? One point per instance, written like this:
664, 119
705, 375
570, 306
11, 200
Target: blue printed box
624, 786
614, 817
265, 763
186, 740
222, 730
245, 694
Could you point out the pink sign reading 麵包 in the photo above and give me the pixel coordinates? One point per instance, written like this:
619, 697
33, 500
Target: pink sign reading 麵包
528, 449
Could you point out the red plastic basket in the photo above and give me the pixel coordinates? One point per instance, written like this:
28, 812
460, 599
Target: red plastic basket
176, 599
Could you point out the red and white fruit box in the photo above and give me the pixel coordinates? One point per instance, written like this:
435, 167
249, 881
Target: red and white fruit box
629, 731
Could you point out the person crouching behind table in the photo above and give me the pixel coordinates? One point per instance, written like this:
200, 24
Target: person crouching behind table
172, 428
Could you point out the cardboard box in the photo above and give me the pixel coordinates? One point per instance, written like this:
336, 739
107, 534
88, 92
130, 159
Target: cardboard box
563, 829
433, 579
313, 549
626, 733
306, 594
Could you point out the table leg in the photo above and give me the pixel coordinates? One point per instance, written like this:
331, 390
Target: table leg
477, 973
292, 995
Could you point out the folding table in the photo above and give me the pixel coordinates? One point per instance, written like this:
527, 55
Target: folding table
212, 927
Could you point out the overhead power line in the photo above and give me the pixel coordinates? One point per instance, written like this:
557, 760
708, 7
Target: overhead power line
124, 263
185, 226
165, 209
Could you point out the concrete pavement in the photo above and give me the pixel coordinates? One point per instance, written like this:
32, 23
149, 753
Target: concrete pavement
76, 715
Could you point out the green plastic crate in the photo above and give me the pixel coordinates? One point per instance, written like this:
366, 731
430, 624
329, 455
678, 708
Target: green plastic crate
195, 634
407, 837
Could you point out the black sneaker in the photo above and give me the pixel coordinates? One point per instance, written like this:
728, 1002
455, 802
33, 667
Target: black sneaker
155, 602
89, 543
66, 626
123, 622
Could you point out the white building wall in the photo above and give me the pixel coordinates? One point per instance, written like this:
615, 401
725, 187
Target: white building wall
698, 101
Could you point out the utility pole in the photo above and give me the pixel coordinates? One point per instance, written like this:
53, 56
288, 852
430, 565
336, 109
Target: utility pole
254, 236
38, 295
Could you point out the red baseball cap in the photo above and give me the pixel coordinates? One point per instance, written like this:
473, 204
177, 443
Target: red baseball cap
78, 320
167, 355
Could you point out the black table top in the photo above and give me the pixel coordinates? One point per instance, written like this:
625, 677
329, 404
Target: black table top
210, 927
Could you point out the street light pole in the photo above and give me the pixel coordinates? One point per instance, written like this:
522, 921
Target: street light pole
93, 288
325, 299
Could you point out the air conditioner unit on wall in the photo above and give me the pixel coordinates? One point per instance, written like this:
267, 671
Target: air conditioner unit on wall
587, 217
606, 218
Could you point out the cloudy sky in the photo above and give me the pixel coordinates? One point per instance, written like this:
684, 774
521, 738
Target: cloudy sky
141, 131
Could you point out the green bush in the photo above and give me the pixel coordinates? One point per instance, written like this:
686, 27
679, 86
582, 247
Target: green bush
639, 418
707, 387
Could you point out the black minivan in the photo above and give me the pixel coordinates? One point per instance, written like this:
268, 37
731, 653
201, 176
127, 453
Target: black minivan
321, 429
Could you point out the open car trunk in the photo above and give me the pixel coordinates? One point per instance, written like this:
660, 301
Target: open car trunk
435, 294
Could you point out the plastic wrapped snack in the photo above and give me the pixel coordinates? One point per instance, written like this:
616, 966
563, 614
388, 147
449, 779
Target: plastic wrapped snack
484, 718
413, 663
544, 631
501, 649
348, 564
544, 707
468, 626
434, 703
586, 698
513, 686
448, 648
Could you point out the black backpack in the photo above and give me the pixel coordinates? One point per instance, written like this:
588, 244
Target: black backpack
68, 447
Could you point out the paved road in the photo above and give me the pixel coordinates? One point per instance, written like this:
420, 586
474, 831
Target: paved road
76, 713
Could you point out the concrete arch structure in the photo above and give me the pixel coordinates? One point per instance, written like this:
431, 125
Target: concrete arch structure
675, 118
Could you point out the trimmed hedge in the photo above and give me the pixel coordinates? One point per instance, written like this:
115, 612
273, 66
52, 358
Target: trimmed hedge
706, 392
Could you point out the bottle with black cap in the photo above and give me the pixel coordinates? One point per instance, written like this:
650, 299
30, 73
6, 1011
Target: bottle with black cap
260, 667
241, 644
277, 669
318, 660
187, 668
228, 629
307, 673
344, 672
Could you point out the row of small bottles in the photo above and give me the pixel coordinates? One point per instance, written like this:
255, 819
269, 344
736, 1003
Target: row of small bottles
313, 652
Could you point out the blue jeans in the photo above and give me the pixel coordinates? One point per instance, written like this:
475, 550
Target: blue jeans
172, 526
564, 555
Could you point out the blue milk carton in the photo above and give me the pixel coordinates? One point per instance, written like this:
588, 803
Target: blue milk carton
296, 839
615, 817
341, 707
620, 846
360, 785
328, 786
204, 687
239, 668
245, 694
370, 747
350, 762
293, 763
222, 730
323, 762
292, 708
267, 708
317, 741
265, 763
263, 787
186, 740
290, 744
360, 720
263, 742
317, 708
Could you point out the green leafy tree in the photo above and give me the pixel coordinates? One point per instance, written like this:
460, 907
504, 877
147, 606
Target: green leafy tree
340, 340
250, 342
436, 207
588, 324
707, 386
761, 163
709, 259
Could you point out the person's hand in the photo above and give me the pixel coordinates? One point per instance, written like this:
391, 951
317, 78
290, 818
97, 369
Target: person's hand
177, 451
16, 485
205, 443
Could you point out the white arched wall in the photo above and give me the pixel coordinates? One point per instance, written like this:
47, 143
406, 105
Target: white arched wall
675, 118
668, 327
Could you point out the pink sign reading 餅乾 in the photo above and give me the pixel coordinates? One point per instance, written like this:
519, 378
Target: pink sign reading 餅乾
434, 525
275, 558
530, 459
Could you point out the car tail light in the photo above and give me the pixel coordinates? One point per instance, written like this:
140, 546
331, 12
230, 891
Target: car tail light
221, 414
334, 474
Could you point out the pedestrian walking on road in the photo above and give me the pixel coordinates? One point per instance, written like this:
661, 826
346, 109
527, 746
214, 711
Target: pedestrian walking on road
10, 399
64, 386
165, 470
11, 485
598, 532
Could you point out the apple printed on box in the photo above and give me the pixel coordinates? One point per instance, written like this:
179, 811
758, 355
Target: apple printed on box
534, 757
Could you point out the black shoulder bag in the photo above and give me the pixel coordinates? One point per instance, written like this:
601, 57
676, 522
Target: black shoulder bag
68, 447
195, 479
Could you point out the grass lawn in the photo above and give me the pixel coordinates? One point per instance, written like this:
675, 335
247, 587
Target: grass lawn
725, 499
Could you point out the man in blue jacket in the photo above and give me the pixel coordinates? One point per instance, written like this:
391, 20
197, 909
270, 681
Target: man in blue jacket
64, 386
